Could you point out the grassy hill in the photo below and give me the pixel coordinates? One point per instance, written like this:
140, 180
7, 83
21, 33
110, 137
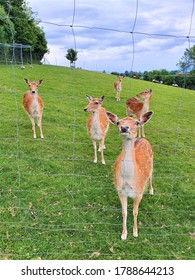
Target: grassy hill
55, 203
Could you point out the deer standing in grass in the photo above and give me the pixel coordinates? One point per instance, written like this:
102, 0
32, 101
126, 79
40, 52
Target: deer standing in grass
118, 87
137, 107
97, 124
133, 167
33, 105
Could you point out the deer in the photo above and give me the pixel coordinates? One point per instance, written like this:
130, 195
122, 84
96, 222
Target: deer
136, 107
133, 167
97, 124
118, 87
33, 105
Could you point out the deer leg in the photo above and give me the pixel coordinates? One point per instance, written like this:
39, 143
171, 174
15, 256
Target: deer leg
151, 188
39, 123
139, 131
33, 126
143, 134
95, 151
123, 200
101, 146
135, 213
117, 96
102, 150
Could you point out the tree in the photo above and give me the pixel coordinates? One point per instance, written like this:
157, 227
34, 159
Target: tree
7, 30
26, 25
72, 56
188, 59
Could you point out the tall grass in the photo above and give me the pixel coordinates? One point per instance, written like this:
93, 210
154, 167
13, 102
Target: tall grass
55, 203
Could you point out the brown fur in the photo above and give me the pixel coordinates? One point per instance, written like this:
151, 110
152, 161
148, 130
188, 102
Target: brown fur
33, 105
27, 102
118, 87
97, 124
133, 167
136, 107
103, 121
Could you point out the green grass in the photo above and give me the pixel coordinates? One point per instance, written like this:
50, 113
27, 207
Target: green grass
56, 204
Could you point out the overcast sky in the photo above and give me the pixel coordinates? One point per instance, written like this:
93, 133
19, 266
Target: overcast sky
103, 32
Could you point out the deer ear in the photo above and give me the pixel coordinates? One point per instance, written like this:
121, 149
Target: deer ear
40, 82
145, 118
112, 118
26, 81
102, 98
89, 98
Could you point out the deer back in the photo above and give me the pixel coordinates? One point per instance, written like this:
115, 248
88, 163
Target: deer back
134, 106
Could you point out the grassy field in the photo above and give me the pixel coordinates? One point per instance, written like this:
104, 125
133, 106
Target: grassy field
55, 203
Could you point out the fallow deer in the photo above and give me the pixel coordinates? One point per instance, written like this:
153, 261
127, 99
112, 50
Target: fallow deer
133, 167
97, 124
118, 87
137, 107
33, 105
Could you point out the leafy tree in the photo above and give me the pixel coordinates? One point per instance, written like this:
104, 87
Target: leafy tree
188, 59
7, 30
146, 76
72, 56
27, 30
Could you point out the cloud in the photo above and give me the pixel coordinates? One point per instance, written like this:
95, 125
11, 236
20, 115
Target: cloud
102, 32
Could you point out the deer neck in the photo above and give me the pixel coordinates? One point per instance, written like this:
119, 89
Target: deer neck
95, 126
95, 114
127, 168
146, 105
128, 145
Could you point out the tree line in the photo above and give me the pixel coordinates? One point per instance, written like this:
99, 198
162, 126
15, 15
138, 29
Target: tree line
174, 78
185, 77
19, 25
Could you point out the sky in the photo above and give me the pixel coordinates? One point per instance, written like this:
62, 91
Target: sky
123, 35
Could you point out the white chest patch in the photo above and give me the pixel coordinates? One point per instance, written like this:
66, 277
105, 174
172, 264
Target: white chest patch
95, 128
35, 107
119, 87
145, 108
127, 187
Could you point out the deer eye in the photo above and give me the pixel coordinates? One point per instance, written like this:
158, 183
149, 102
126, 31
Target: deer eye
117, 123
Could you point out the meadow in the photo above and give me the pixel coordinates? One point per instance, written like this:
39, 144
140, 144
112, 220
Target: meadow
55, 203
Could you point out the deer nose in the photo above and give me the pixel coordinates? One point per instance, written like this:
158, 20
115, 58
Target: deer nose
85, 109
33, 91
124, 128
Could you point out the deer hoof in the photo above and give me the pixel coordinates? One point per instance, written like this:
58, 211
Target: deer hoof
124, 236
135, 233
151, 191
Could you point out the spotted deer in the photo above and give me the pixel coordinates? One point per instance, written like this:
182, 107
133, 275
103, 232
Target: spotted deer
137, 107
118, 87
97, 124
33, 105
133, 167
